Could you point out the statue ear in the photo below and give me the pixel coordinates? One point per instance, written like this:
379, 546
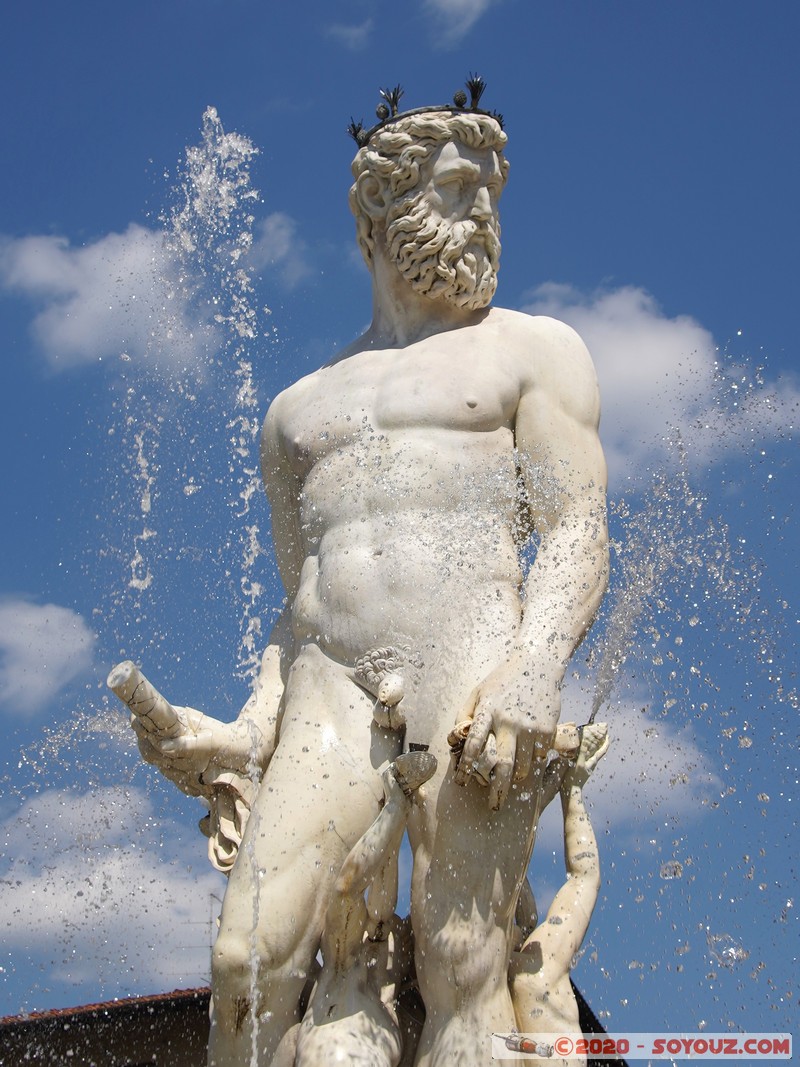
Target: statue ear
371, 196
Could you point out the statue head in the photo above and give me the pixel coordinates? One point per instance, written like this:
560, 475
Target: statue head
428, 184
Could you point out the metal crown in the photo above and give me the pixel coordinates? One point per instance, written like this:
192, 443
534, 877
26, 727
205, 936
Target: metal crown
388, 110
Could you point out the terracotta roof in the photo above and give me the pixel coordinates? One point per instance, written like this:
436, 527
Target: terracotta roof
108, 1006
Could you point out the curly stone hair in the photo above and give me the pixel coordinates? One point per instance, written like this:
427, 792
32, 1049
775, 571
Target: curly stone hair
395, 154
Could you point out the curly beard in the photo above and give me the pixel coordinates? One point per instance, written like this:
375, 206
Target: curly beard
457, 262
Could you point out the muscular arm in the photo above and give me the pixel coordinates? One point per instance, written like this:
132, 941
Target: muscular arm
257, 723
564, 472
231, 745
283, 490
562, 933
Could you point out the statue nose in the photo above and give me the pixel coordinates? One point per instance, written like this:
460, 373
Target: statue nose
482, 208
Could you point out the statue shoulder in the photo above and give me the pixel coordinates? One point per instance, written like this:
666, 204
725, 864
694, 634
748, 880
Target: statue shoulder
552, 361
279, 416
281, 407
542, 335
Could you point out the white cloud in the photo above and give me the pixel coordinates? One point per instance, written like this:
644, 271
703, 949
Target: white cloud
654, 763
127, 295
112, 898
42, 649
653, 767
453, 19
108, 899
658, 375
117, 295
277, 247
654, 775
654, 771
352, 37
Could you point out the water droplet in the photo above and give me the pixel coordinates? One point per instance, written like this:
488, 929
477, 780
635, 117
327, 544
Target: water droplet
670, 870
725, 950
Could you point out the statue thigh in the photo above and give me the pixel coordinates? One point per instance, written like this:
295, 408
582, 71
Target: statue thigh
467, 874
319, 794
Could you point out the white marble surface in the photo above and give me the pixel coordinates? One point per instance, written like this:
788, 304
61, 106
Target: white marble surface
404, 476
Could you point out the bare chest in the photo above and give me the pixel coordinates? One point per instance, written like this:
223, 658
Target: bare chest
379, 397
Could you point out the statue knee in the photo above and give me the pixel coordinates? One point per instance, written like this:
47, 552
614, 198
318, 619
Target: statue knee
232, 963
238, 972
243, 968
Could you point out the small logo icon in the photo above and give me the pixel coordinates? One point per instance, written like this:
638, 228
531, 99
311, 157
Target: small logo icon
519, 1043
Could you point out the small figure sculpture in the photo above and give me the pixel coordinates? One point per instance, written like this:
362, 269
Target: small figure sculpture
544, 1002
366, 948
404, 478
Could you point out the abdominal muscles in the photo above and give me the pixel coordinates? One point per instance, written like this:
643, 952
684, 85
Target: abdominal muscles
413, 545
449, 604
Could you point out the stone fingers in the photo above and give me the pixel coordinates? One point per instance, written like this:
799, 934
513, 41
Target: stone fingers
150, 754
593, 758
177, 750
524, 756
473, 746
500, 783
184, 746
486, 762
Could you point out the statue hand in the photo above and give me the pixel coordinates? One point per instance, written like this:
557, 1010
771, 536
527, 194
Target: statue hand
594, 745
521, 711
185, 752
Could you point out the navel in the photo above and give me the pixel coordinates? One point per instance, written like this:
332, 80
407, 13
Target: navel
471, 402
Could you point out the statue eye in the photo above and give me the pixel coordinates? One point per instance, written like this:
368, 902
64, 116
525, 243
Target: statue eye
455, 182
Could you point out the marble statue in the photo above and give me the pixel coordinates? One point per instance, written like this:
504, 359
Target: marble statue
405, 476
544, 1002
366, 948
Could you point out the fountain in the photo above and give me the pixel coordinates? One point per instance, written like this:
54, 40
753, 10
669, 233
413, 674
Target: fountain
664, 541
403, 607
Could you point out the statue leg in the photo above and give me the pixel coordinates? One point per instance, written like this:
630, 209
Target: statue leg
469, 864
320, 793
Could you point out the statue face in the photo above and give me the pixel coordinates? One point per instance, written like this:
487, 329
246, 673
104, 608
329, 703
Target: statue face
444, 239
464, 183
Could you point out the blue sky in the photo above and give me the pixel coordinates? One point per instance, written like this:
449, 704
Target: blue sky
651, 203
